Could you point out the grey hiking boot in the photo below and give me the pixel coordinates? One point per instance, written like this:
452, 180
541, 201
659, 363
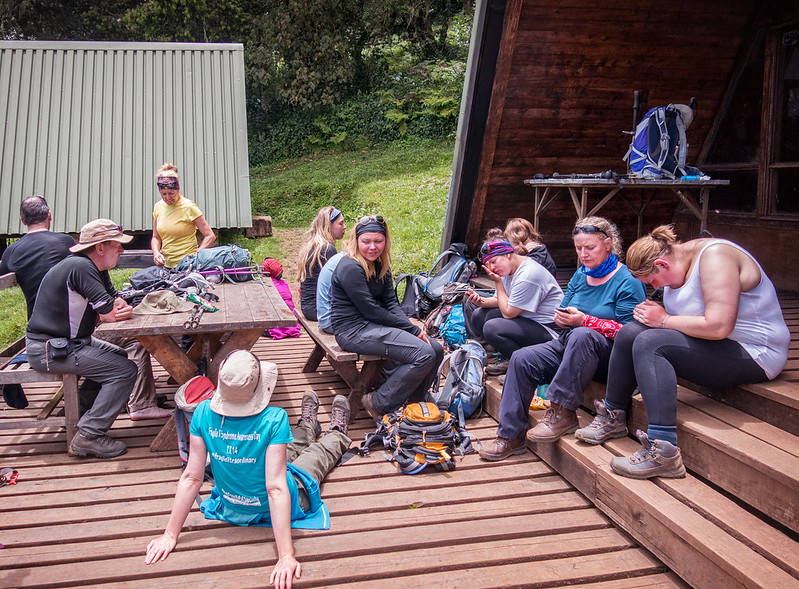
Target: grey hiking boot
654, 459
310, 407
102, 446
340, 414
607, 424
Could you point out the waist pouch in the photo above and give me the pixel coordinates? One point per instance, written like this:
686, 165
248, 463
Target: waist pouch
59, 348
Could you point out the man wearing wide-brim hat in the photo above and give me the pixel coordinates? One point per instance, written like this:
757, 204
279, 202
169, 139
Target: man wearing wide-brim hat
74, 295
265, 473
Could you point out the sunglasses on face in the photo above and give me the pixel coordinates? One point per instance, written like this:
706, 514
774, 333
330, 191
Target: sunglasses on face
369, 218
109, 230
588, 229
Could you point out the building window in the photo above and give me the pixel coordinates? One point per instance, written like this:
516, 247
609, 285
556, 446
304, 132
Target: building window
763, 167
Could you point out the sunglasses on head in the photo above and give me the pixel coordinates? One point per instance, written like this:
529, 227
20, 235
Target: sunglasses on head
588, 229
109, 230
369, 218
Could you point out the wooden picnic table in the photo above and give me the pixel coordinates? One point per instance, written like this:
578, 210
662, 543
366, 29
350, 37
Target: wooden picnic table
246, 309
548, 189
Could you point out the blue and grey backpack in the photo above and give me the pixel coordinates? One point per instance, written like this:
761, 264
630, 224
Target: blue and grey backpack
465, 386
659, 146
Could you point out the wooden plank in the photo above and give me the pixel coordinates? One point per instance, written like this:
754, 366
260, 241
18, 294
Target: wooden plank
8, 280
87, 522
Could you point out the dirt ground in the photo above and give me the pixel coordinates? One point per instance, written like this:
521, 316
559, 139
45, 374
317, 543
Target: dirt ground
290, 240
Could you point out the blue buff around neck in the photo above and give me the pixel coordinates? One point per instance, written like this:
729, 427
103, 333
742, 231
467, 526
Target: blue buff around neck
603, 269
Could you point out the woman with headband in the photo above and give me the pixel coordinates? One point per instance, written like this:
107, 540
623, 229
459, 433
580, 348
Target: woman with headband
318, 247
521, 312
599, 299
720, 325
176, 221
367, 319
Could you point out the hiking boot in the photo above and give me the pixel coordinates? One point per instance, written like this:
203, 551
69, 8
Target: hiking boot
368, 404
97, 446
497, 368
501, 448
556, 422
607, 424
654, 459
153, 412
340, 414
310, 408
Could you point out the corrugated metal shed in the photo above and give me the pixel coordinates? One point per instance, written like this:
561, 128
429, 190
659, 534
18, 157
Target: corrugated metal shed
86, 124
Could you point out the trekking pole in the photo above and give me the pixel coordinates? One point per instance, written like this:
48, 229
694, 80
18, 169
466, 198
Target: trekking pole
195, 323
188, 323
636, 108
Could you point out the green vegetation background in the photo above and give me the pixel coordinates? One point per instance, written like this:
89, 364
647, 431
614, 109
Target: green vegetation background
406, 182
382, 143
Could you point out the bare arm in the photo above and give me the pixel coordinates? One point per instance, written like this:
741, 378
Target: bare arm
188, 486
208, 234
155, 245
508, 311
720, 281
287, 566
121, 311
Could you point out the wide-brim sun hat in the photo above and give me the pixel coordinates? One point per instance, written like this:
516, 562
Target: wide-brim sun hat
98, 231
244, 386
162, 302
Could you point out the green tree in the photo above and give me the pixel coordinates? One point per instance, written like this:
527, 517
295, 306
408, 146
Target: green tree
312, 52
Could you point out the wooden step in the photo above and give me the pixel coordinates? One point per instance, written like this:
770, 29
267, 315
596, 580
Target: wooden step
752, 460
775, 402
703, 535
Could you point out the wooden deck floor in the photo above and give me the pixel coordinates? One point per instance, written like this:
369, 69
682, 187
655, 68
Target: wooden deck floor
72, 522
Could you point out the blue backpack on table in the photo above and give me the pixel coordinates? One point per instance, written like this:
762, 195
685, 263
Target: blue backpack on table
659, 145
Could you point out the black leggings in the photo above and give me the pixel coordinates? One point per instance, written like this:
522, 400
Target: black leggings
654, 359
507, 335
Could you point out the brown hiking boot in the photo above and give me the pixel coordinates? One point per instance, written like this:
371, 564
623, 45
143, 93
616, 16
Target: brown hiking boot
557, 421
309, 410
368, 404
340, 414
501, 448
102, 446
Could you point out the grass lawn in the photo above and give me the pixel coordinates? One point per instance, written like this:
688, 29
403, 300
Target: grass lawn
405, 182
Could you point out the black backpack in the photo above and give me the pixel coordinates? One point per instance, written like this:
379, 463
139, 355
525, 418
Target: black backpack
424, 292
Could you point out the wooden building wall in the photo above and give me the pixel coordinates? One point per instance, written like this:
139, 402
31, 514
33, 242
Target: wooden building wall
563, 94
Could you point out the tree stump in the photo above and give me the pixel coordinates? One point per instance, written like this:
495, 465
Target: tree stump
261, 227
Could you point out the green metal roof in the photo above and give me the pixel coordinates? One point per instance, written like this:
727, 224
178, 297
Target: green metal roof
86, 124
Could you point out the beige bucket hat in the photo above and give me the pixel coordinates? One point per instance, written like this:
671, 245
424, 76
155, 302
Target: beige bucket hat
98, 231
162, 302
244, 386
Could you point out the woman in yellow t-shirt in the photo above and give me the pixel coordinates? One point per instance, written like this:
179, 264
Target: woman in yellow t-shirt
176, 220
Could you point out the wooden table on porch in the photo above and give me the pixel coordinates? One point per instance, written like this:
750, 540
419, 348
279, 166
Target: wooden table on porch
246, 309
547, 191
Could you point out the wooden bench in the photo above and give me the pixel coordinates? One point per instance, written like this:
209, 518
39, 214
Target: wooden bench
21, 373
344, 363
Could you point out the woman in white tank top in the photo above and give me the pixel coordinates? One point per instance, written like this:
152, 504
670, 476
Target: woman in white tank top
720, 325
